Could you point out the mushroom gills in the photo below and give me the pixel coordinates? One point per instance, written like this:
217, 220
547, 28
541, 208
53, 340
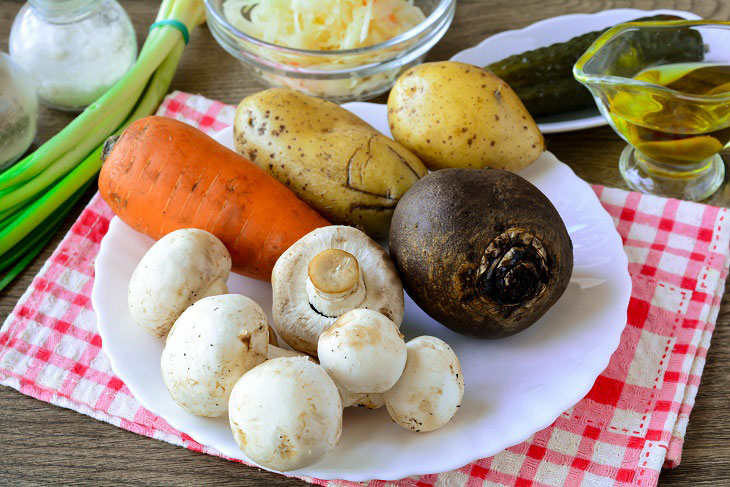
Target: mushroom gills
325, 274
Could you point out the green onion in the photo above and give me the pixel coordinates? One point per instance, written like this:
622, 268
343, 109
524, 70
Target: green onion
37, 193
44, 232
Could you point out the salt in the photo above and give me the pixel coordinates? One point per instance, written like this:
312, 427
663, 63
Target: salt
18, 111
73, 63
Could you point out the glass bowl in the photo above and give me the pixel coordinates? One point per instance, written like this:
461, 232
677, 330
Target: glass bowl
665, 89
340, 76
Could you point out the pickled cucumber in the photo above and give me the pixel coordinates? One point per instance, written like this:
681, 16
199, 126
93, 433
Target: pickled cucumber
543, 77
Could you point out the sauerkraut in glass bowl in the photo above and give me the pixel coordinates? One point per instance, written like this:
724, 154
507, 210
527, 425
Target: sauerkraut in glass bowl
342, 50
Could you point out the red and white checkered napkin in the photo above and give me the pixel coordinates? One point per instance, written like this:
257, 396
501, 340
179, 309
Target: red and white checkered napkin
630, 425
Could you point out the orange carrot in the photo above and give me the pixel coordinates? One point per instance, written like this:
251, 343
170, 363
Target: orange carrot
161, 175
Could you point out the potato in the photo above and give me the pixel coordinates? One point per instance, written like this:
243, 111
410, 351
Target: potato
330, 158
457, 115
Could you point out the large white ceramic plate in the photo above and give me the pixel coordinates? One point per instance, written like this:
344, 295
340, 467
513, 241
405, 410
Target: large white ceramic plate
550, 31
514, 386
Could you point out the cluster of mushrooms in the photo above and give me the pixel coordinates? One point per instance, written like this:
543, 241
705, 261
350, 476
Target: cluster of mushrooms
337, 302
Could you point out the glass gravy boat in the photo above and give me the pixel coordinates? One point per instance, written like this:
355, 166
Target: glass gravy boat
665, 89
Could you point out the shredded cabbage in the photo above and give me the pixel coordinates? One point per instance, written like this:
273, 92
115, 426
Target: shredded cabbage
323, 25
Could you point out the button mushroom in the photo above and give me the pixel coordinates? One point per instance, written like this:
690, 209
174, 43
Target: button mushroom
430, 389
210, 346
326, 273
363, 351
179, 269
285, 413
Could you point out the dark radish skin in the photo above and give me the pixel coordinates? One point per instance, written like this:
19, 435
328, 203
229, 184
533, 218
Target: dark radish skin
482, 251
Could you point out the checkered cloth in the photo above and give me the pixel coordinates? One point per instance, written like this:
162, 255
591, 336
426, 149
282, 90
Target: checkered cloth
630, 424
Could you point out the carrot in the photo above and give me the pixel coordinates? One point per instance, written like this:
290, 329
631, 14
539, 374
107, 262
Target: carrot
161, 175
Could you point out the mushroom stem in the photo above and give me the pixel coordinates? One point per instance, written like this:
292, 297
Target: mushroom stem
334, 272
216, 288
272, 337
276, 352
348, 398
368, 401
334, 282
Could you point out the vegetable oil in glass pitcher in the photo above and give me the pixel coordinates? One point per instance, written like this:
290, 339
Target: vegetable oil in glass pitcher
676, 133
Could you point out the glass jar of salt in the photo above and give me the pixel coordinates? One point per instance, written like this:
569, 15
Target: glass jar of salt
18, 111
74, 50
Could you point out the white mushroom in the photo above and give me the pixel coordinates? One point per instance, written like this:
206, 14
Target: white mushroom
326, 273
285, 413
210, 346
179, 269
363, 352
430, 389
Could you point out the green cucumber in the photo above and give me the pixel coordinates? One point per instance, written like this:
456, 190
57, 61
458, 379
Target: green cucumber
543, 78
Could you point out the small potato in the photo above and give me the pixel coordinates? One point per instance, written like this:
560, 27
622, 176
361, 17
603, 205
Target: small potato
458, 115
337, 163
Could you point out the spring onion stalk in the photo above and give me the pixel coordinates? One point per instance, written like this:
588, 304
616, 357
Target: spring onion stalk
37, 240
87, 169
26, 191
20, 265
39, 191
119, 97
8, 214
45, 232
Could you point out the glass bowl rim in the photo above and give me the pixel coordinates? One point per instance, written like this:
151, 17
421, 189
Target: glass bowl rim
441, 9
598, 44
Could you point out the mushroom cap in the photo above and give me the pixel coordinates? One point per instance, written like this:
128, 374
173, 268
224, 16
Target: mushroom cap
209, 347
363, 351
296, 321
430, 389
179, 269
285, 413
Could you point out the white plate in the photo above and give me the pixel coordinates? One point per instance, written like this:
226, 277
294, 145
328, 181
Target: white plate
550, 31
514, 386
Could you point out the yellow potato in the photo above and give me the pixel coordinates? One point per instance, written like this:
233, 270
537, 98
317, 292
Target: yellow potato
457, 115
330, 158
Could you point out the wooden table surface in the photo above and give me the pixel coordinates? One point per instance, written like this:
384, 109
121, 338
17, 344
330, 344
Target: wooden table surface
41, 444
